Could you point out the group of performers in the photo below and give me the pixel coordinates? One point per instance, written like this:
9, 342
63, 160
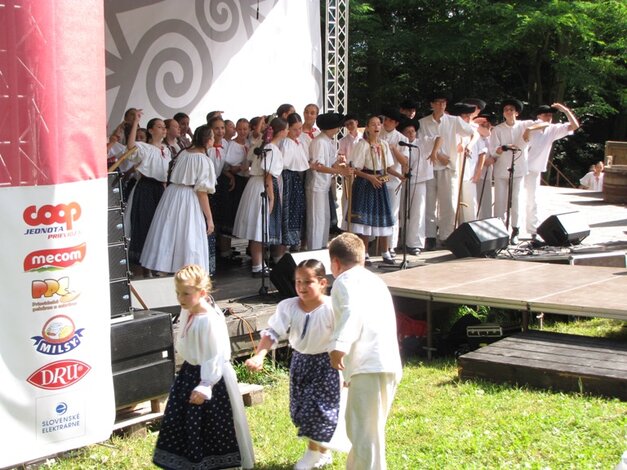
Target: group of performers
270, 180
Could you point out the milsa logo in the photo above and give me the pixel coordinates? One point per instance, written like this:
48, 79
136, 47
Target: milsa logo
59, 336
59, 374
54, 258
49, 219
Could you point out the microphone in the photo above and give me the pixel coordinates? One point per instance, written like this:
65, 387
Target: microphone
513, 148
261, 151
402, 143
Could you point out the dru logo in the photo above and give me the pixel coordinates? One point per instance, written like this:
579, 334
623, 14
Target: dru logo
49, 214
59, 374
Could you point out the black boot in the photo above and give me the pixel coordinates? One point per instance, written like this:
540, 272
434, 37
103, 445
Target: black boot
514, 239
429, 244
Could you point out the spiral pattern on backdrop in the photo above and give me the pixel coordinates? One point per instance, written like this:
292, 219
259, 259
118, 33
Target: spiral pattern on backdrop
176, 77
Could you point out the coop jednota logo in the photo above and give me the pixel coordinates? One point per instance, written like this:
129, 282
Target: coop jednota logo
47, 215
59, 374
53, 259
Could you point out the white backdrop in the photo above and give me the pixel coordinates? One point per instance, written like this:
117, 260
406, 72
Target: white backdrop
242, 57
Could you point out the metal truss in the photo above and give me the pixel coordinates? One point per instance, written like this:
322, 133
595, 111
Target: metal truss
336, 56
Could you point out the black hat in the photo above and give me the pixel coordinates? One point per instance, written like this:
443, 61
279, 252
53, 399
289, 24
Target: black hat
486, 116
405, 123
349, 117
439, 95
479, 103
462, 108
544, 108
327, 121
408, 104
513, 102
392, 113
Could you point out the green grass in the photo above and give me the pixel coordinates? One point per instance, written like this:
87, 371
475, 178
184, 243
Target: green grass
437, 422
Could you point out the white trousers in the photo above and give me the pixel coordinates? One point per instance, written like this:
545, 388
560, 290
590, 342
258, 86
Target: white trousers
500, 200
367, 408
395, 205
441, 194
469, 202
416, 225
318, 219
532, 183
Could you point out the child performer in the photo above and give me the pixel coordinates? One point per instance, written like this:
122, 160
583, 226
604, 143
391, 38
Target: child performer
323, 164
204, 424
371, 214
179, 229
365, 348
307, 322
151, 161
421, 172
310, 114
265, 170
295, 164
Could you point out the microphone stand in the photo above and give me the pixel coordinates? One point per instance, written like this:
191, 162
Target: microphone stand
263, 290
404, 264
510, 187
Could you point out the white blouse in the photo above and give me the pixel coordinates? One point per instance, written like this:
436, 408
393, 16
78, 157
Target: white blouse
324, 150
307, 333
295, 154
272, 162
366, 158
194, 169
152, 161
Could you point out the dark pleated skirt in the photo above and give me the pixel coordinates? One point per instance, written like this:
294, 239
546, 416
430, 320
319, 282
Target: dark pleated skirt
314, 396
148, 192
274, 218
370, 205
196, 436
293, 207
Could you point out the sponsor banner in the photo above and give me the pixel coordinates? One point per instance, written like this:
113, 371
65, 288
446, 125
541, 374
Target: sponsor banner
55, 300
166, 59
57, 390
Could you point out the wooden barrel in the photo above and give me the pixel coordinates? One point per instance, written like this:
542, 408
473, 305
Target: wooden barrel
615, 184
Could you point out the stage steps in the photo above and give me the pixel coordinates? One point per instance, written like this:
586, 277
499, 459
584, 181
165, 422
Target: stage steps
556, 361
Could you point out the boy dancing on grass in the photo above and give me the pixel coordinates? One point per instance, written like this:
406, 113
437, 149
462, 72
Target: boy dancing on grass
365, 349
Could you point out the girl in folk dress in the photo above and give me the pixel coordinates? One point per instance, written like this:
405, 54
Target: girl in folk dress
371, 214
295, 163
307, 321
178, 233
172, 135
204, 424
265, 170
151, 162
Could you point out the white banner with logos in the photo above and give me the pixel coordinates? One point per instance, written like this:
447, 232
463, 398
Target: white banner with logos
56, 391
242, 57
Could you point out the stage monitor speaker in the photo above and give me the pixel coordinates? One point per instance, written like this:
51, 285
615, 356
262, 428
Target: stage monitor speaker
564, 229
115, 191
478, 238
142, 357
282, 275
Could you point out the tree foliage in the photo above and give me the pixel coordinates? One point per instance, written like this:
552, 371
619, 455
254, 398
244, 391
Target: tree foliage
539, 51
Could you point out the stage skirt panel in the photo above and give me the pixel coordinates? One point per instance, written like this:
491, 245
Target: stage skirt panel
247, 224
146, 196
371, 213
293, 207
178, 233
197, 436
314, 396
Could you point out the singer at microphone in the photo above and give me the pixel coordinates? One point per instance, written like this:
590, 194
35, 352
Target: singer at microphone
407, 144
260, 151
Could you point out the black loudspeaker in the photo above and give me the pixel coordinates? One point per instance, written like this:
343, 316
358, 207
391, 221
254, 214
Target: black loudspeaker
478, 238
115, 191
564, 229
142, 357
282, 275
120, 297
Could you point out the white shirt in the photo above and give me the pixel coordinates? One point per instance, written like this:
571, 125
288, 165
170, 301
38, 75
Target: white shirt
153, 161
592, 182
540, 143
393, 138
448, 129
295, 154
504, 134
365, 324
218, 156
194, 169
323, 150
347, 143
272, 162
421, 167
308, 333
